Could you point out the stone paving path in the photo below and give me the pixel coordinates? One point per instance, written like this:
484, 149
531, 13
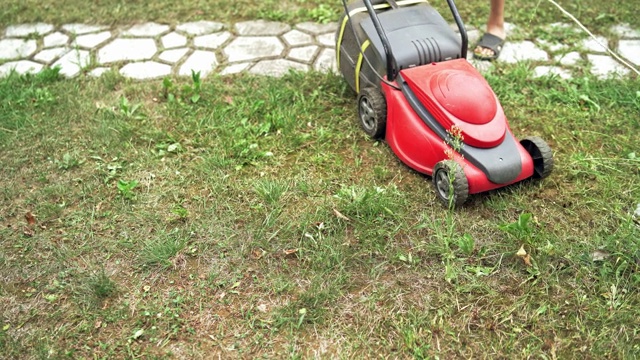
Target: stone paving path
152, 50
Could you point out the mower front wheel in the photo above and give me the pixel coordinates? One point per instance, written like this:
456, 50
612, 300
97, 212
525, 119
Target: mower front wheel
451, 183
541, 155
372, 111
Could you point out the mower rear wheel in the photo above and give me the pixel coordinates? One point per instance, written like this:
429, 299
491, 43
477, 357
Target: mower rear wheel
451, 183
541, 155
372, 111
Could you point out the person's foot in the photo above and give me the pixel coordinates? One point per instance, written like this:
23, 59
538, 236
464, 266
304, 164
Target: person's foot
490, 45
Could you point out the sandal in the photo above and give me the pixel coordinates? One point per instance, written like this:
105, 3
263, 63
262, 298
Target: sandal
491, 42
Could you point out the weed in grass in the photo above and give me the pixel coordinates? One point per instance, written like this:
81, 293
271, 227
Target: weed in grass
101, 286
125, 189
68, 162
128, 110
162, 251
192, 92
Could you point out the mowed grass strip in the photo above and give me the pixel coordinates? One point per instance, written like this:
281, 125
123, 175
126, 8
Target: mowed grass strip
251, 217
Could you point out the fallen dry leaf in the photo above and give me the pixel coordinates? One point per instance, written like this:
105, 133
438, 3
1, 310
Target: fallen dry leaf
31, 219
257, 253
599, 255
527, 260
288, 252
28, 232
340, 216
521, 252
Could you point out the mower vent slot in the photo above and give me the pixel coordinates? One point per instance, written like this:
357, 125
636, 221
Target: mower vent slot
428, 50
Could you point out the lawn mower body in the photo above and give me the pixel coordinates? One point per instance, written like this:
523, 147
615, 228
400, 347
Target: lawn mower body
436, 112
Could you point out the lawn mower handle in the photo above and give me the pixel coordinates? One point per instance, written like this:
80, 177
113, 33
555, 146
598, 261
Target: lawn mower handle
391, 70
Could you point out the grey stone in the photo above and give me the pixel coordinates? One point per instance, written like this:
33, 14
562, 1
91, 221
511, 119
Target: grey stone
73, 62
636, 213
212, 41
149, 29
173, 40
49, 55
303, 54
522, 51
253, 48
511, 29
597, 45
127, 49
80, 29
173, 56
23, 30
326, 61
55, 39
277, 67
17, 48
261, 28
481, 65
317, 29
625, 31
21, 67
145, 70
569, 59
604, 66
630, 49
200, 61
235, 69
91, 41
99, 71
547, 71
558, 26
553, 47
200, 27
297, 38
328, 40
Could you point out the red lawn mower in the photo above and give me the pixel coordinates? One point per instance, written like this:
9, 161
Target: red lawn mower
434, 109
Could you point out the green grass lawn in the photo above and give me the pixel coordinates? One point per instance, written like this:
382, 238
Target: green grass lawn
260, 221
250, 217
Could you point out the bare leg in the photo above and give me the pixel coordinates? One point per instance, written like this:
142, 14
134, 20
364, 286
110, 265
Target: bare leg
495, 26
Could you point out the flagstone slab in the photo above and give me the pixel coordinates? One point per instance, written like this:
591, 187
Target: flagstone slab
522, 51
597, 45
149, 29
326, 61
235, 69
630, 49
173, 40
200, 61
327, 40
297, 38
21, 67
261, 28
277, 67
91, 41
569, 59
24, 30
17, 48
625, 31
198, 28
174, 55
212, 41
253, 48
81, 29
99, 71
49, 55
127, 49
549, 71
304, 54
73, 62
552, 46
55, 39
605, 66
145, 70
317, 29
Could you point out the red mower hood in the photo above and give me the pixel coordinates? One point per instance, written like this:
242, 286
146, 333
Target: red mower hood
456, 94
